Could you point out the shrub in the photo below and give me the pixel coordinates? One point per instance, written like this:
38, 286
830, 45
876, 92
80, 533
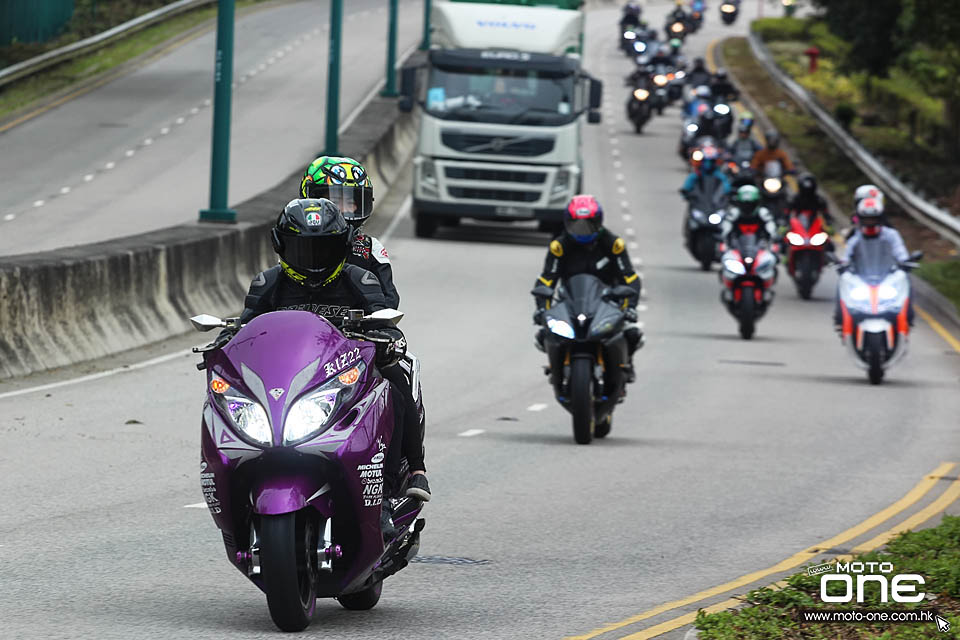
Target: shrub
780, 28
845, 114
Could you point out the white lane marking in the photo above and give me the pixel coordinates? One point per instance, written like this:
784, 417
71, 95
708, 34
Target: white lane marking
397, 217
109, 165
96, 376
615, 152
64, 190
88, 177
627, 217
38, 203
9, 217
252, 72
375, 91
147, 142
621, 190
271, 60
631, 232
199, 505
614, 141
619, 177
617, 164
262, 67
280, 54
129, 153
288, 48
624, 204
195, 110
632, 246
180, 120
539, 406
642, 307
469, 433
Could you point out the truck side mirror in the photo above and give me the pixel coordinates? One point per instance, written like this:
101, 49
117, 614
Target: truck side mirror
596, 94
593, 117
408, 81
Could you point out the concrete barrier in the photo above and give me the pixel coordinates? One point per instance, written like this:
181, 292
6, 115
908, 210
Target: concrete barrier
63, 307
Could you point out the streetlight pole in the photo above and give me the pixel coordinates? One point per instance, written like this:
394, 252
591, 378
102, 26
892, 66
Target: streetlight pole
425, 44
333, 78
222, 86
390, 90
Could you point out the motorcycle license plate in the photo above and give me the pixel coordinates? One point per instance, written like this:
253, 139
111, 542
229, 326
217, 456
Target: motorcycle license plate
521, 212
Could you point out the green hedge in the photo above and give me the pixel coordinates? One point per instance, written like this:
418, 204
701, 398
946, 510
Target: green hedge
770, 29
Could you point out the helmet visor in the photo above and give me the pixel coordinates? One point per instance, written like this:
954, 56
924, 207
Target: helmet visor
582, 228
317, 254
356, 203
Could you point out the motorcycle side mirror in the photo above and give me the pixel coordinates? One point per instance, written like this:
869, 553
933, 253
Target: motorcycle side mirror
593, 117
206, 322
390, 315
408, 78
916, 256
596, 94
542, 291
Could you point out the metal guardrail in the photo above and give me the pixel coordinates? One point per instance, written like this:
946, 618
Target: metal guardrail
33, 65
925, 212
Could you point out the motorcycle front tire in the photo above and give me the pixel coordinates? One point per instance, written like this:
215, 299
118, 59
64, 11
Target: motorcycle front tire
747, 315
874, 349
286, 542
581, 399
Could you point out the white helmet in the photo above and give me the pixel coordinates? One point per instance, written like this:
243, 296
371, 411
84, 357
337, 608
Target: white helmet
867, 191
870, 208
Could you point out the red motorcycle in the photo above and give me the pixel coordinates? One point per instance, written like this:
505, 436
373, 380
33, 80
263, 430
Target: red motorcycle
806, 243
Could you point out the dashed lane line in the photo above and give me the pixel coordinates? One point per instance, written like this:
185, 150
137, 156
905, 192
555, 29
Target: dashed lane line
469, 433
539, 406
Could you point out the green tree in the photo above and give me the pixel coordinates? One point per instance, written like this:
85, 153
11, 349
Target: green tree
873, 29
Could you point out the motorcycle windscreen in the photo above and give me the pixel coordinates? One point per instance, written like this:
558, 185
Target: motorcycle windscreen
607, 321
583, 294
873, 260
708, 194
747, 245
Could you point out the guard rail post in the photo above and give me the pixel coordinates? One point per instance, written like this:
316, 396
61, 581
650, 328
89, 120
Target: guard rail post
333, 78
390, 90
222, 88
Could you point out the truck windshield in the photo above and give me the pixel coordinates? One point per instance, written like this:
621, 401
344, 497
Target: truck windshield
514, 96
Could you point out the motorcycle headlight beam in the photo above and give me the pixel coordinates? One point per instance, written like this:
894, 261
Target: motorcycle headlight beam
561, 328
734, 266
312, 412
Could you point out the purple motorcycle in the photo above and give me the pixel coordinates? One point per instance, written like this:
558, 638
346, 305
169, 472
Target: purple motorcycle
296, 426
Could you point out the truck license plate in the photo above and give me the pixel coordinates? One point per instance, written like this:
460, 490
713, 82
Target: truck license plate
514, 211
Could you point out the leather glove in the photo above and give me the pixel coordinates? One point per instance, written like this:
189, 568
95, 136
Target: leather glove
390, 352
630, 314
538, 316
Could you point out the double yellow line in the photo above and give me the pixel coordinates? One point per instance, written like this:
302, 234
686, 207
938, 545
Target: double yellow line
912, 497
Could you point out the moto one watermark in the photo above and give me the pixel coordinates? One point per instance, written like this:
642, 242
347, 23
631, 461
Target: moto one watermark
847, 582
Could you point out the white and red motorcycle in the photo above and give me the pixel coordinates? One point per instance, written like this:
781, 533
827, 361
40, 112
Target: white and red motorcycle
874, 304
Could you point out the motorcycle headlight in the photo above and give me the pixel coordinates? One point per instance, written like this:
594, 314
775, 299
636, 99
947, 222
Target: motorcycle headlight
641, 94
561, 328
247, 415
696, 213
887, 292
715, 218
819, 239
629, 35
859, 293
660, 80
727, 8
734, 266
795, 239
692, 128
681, 75
312, 412
639, 47
676, 27
697, 155
772, 185
721, 109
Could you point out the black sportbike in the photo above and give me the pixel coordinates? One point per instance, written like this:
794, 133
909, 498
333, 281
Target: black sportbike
587, 350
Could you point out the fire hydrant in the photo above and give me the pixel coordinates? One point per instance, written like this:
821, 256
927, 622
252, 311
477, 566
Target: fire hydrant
813, 53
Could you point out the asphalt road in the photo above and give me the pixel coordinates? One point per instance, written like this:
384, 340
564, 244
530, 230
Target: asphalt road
726, 457
134, 155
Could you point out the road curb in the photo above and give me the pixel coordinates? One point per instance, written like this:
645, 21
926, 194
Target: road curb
70, 305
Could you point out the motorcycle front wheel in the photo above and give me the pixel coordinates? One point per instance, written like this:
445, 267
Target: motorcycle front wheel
581, 399
288, 544
705, 250
805, 273
874, 349
747, 320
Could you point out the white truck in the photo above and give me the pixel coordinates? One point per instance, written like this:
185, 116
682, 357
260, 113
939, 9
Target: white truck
502, 98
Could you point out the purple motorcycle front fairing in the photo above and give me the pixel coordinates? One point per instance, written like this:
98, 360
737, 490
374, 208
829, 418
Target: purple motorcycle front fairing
275, 360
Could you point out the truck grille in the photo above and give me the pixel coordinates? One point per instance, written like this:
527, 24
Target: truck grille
494, 194
495, 175
497, 145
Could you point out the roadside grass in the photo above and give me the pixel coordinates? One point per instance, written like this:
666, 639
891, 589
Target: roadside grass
837, 175
22, 93
772, 612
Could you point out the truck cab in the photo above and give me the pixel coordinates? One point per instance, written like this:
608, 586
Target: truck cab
502, 97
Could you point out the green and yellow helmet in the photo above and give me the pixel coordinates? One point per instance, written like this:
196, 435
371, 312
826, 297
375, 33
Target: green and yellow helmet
343, 181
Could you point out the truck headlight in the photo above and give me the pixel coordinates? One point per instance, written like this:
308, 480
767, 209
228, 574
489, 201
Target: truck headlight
562, 181
428, 172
